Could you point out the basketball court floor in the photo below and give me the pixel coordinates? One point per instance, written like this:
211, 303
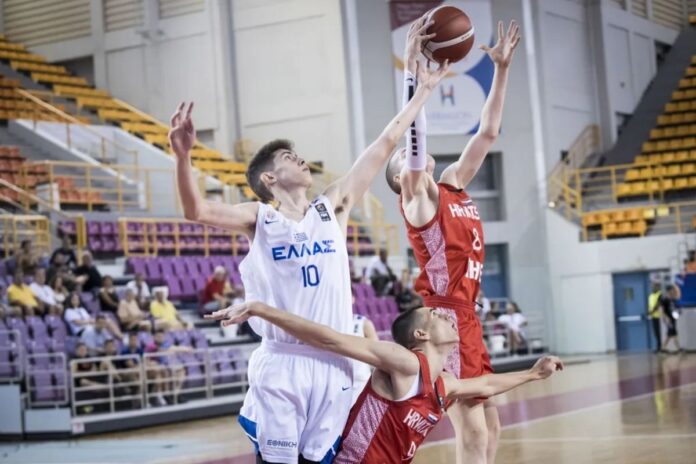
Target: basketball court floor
638, 409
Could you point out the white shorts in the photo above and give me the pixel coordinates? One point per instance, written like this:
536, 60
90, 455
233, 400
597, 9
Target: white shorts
298, 402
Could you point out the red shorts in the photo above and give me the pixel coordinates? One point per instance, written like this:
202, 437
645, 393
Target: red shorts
471, 358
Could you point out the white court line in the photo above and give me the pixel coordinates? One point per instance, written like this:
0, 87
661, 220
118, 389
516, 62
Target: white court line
665, 436
569, 413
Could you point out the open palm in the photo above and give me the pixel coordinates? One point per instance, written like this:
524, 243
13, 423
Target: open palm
504, 49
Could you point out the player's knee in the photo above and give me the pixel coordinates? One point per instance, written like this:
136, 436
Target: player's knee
475, 438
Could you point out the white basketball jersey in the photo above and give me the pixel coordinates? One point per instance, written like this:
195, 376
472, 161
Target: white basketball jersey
361, 370
299, 267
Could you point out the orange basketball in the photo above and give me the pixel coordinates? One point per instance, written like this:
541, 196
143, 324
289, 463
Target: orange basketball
454, 34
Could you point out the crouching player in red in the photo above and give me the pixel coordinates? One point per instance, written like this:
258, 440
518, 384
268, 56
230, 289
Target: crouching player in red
408, 391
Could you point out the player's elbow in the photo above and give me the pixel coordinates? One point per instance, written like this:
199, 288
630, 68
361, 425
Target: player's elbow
489, 134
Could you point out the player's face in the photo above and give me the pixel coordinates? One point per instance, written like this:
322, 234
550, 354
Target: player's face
441, 328
290, 169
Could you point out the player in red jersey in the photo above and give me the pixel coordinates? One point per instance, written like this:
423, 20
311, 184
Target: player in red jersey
444, 229
408, 391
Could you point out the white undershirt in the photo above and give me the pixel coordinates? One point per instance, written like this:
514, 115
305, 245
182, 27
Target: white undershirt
414, 390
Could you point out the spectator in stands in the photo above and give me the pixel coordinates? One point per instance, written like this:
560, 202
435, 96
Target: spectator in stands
122, 381
95, 336
84, 376
218, 292
141, 290
166, 365
130, 315
60, 293
77, 317
690, 265
19, 294
45, 294
406, 298
668, 306
87, 274
655, 314
27, 260
380, 274
515, 322
163, 310
483, 305
64, 255
108, 298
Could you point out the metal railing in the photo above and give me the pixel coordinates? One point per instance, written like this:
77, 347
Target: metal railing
585, 145
133, 382
17, 228
26, 202
146, 237
47, 379
11, 356
78, 134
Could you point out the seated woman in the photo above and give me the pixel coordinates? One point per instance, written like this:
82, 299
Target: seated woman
515, 322
107, 295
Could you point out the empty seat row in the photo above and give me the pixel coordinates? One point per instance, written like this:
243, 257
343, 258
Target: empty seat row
667, 157
680, 107
38, 67
671, 132
58, 79
667, 145
676, 119
655, 186
673, 170
627, 228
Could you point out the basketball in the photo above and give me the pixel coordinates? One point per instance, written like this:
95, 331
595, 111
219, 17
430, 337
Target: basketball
454, 35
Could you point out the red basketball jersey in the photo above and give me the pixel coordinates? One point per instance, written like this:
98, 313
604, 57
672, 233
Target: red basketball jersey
449, 250
381, 431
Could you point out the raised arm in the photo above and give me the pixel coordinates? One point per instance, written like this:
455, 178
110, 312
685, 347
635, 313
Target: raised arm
350, 188
386, 356
494, 384
463, 170
238, 218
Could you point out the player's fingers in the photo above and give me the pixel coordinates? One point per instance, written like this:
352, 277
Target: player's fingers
188, 112
485, 48
501, 30
422, 28
175, 116
515, 41
511, 28
425, 37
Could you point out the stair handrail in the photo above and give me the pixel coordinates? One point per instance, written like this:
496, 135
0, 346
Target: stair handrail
79, 219
70, 120
585, 144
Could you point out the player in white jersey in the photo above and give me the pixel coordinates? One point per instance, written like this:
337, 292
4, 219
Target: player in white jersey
362, 327
299, 397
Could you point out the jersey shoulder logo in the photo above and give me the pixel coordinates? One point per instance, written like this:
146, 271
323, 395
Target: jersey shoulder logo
323, 212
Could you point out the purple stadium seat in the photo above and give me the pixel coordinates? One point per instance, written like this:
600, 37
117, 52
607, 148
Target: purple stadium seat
166, 266
37, 327
194, 370
217, 261
368, 291
236, 279
109, 245
392, 306
56, 327
224, 373
199, 340
95, 244
109, 228
145, 338
188, 291
178, 266
93, 228
182, 337
43, 386
174, 284
59, 381
359, 292
90, 302
191, 267
136, 266
153, 270
236, 260
206, 266
16, 323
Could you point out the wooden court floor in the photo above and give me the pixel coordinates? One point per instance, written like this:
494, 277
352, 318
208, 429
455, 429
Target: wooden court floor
638, 409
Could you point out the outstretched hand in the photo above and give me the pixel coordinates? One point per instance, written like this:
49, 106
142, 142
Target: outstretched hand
546, 366
235, 314
504, 49
182, 134
414, 41
430, 78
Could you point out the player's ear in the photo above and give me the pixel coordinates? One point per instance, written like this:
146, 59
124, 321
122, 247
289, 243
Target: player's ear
397, 179
268, 178
421, 335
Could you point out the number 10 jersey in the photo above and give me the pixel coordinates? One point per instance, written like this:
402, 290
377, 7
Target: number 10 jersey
299, 267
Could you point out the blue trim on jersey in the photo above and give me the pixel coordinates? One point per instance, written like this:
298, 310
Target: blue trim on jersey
249, 427
331, 454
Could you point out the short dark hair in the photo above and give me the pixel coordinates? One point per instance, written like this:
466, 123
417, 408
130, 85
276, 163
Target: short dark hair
134, 333
403, 327
262, 162
100, 316
391, 171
